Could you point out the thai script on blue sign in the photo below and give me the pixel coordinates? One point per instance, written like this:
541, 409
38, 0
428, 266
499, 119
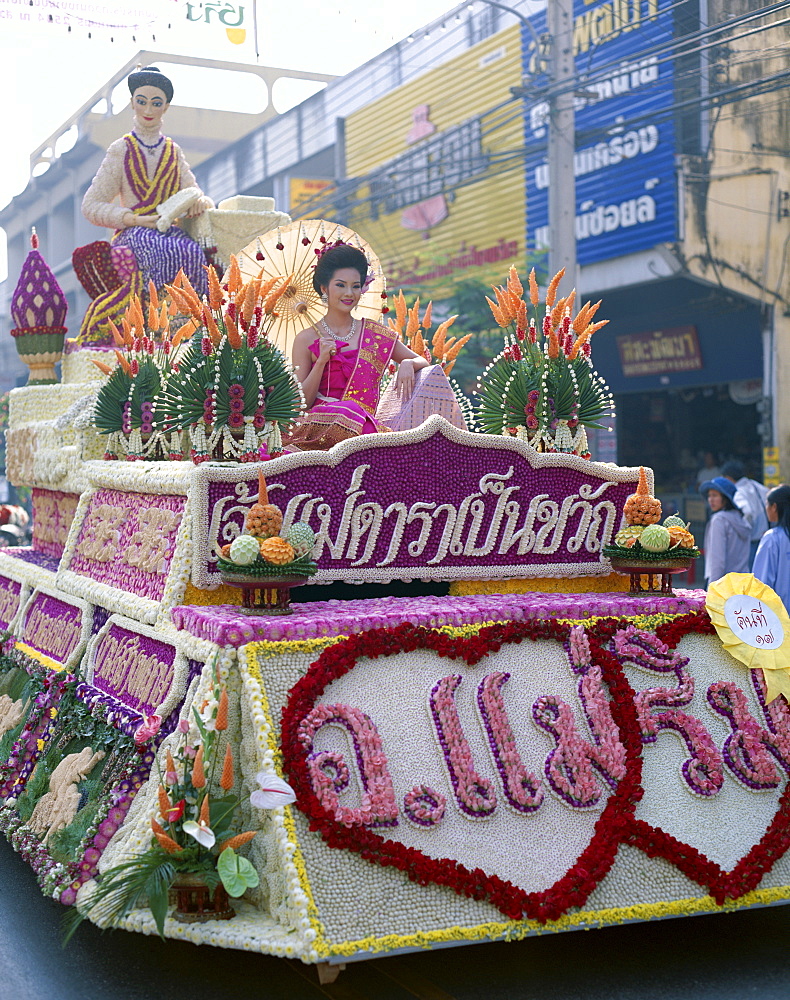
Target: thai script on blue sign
626, 191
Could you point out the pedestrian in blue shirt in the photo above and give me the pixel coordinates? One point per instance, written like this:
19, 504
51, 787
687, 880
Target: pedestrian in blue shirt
727, 532
772, 562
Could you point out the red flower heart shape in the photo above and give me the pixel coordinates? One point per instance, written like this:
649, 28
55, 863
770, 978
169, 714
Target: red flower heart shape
613, 825
748, 872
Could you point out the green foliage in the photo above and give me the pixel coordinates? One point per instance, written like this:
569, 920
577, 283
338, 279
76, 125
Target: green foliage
8, 739
108, 411
181, 402
63, 845
236, 872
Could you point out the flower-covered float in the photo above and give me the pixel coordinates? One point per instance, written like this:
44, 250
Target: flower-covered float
516, 743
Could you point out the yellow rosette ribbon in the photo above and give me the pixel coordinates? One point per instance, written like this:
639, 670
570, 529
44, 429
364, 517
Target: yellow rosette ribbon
753, 625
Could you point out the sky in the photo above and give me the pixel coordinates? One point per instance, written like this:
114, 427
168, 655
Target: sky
48, 72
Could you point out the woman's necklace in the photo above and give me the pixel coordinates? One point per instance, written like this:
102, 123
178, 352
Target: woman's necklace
146, 145
337, 336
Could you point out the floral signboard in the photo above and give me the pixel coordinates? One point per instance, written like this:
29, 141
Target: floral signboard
431, 503
126, 550
53, 629
10, 597
129, 663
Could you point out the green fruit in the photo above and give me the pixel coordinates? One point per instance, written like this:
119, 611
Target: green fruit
244, 550
655, 538
301, 537
626, 534
674, 520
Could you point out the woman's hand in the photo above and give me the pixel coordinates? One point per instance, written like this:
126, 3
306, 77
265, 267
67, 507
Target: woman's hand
149, 221
404, 381
328, 349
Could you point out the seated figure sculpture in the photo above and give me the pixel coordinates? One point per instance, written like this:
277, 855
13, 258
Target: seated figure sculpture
340, 360
142, 169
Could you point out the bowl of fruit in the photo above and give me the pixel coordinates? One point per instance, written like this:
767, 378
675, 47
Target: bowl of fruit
646, 548
264, 562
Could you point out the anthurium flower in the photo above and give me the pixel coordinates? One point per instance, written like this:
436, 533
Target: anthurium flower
148, 729
174, 815
201, 832
274, 792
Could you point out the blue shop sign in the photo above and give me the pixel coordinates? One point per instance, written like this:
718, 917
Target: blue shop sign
626, 188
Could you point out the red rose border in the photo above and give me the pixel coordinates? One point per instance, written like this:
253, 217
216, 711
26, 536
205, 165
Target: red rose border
617, 823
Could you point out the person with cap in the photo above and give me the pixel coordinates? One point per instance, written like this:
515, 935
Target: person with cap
141, 170
727, 532
750, 500
772, 562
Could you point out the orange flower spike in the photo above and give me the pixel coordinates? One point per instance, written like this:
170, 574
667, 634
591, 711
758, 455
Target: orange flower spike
413, 324
168, 844
447, 345
551, 292
569, 302
214, 289
172, 308
514, 285
521, 315
164, 318
177, 299
183, 332
250, 299
593, 310
170, 764
426, 320
503, 301
204, 812
449, 367
263, 489
164, 802
452, 354
222, 711
153, 297
497, 314
534, 294
232, 332
198, 771
557, 311
438, 342
126, 326
417, 343
554, 345
211, 326
267, 286
153, 317
577, 344
117, 336
580, 322
594, 327
233, 277
400, 309
275, 294
226, 782
239, 840
104, 369
157, 827
123, 362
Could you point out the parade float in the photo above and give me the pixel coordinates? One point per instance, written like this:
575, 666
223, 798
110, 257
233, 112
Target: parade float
540, 732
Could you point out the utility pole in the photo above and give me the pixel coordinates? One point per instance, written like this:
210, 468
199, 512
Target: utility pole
562, 142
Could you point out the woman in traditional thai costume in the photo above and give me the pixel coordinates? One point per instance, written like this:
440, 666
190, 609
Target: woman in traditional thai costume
340, 361
143, 168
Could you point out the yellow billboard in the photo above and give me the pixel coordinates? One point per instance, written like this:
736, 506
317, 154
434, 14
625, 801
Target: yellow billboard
303, 189
440, 162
